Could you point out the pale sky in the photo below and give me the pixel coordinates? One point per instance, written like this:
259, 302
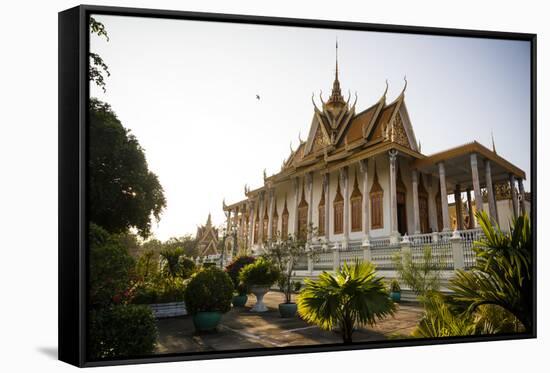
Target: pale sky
187, 90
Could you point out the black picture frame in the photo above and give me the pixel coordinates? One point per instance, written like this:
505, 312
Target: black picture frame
73, 98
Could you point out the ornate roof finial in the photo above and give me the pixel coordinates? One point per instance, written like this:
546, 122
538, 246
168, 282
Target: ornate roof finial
336, 95
419, 146
405, 87
209, 220
265, 174
493, 140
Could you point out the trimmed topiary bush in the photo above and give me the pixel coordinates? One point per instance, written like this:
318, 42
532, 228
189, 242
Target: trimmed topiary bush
259, 273
121, 331
209, 290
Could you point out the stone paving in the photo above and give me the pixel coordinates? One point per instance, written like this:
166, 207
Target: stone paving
242, 329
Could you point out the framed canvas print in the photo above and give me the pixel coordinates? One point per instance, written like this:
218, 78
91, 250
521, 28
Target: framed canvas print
235, 186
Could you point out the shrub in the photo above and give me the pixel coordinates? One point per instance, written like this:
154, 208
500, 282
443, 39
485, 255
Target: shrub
110, 266
259, 273
394, 286
210, 289
234, 268
161, 290
297, 286
121, 331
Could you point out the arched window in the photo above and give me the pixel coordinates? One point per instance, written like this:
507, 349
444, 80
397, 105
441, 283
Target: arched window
321, 210
356, 201
265, 223
284, 222
302, 216
376, 195
275, 220
338, 206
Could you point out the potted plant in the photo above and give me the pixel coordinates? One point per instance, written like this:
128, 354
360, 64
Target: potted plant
233, 269
258, 277
207, 296
395, 291
285, 253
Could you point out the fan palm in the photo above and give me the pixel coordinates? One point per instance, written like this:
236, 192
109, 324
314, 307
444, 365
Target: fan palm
502, 275
352, 296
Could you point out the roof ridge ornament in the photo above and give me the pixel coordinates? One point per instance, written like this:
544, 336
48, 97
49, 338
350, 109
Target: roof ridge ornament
493, 141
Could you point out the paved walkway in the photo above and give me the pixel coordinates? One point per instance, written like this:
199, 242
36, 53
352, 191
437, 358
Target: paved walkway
242, 329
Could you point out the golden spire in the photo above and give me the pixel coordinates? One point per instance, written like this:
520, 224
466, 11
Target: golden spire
336, 95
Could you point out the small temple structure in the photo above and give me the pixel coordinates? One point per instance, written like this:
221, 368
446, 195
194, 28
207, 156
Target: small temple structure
361, 179
207, 239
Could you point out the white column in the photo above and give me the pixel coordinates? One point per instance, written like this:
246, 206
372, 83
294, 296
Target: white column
444, 200
416, 206
470, 210
522, 195
475, 181
326, 185
296, 187
344, 176
514, 195
309, 183
490, 192
242, 222
432, 208
270, 214
457, 250
458, 208
394, 234
363, 165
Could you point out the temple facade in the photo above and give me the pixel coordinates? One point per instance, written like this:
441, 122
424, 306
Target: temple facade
361, 179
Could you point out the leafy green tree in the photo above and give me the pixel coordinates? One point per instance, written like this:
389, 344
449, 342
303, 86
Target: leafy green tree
110, 267
502, 275
187, 243
123, 192
98, 68
147, 265
352, 296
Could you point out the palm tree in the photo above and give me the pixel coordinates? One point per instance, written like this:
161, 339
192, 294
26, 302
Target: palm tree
352, 296
502, 276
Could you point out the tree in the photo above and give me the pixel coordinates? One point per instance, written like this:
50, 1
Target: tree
97, 66
123, 192
175, 264
352, 296
422, 277
187, 244
284, 254
502, 275
110, 267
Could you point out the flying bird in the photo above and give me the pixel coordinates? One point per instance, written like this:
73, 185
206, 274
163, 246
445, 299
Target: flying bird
257, 97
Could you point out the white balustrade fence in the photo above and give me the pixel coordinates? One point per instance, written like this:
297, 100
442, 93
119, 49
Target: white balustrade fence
449, 250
